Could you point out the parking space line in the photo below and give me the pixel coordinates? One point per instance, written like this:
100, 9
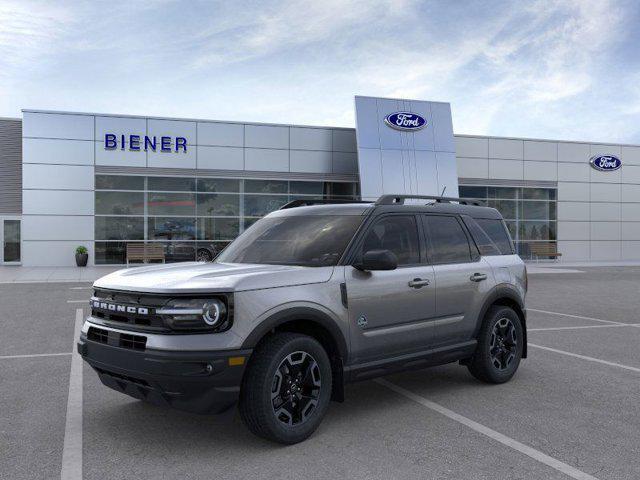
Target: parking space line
78, 301
584, 357
497, 436
576, 316
33, 355
581, 327
72, 448
80, 288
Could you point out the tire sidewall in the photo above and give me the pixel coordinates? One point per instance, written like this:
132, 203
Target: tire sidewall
297, 433
495, 315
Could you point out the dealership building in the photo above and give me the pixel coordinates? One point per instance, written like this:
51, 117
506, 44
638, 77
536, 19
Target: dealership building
191, 186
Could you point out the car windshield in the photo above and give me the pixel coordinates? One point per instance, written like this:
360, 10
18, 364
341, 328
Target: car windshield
310, 241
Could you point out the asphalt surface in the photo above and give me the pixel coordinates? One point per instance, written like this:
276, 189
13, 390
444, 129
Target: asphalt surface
580, 411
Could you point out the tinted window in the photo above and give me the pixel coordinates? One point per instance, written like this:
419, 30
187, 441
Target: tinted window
397, 234
449, 243
311, 241
497, 233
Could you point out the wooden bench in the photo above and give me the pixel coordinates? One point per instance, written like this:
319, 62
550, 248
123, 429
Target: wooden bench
144, 252
546, 249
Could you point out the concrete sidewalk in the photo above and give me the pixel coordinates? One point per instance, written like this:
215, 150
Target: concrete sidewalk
19, 274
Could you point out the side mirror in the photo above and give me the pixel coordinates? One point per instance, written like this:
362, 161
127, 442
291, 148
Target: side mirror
377, 260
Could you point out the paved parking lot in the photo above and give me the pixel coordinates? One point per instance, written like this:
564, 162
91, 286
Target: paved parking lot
570, 412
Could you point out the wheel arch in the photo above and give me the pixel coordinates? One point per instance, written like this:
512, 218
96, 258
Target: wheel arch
506, 296
314, 323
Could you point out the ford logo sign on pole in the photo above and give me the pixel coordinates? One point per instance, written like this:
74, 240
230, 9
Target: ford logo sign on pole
405, 121
605, 163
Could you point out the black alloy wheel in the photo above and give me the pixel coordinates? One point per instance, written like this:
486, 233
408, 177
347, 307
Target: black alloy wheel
296, 388
504, 344
500, 346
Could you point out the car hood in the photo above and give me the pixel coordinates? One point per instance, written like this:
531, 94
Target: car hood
193, 277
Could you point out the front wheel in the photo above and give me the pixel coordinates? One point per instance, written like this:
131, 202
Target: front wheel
286, 389
500, 345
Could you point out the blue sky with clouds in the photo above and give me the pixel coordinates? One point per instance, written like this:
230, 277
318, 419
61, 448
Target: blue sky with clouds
547, 69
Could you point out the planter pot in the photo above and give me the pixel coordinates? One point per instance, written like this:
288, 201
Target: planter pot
81, 259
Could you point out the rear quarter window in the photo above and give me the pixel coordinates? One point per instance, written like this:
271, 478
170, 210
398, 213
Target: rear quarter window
491, 235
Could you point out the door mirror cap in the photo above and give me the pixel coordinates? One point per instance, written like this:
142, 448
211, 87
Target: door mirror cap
377, 260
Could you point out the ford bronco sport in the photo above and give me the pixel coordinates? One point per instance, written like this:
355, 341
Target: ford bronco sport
309, 298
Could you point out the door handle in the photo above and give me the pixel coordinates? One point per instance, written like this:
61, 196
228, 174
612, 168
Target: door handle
418, 283
477, 277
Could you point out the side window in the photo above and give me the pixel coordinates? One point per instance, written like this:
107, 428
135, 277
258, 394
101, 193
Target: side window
449, 242
485, 244
397, 233
497, 232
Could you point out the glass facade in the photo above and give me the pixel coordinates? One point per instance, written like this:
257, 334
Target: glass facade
530, 213
191, 217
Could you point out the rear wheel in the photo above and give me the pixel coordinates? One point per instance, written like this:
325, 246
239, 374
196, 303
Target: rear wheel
286, 389
500, 345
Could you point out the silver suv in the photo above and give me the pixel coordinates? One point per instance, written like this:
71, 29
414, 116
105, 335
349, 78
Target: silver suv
310, 298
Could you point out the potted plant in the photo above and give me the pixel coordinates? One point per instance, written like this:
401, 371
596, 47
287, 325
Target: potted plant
82, 255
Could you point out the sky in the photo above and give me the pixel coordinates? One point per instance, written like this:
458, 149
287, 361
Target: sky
540, 69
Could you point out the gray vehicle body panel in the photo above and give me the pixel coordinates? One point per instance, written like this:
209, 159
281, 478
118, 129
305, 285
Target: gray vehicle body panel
401, 322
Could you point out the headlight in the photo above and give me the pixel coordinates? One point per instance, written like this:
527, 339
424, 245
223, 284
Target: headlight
195, 314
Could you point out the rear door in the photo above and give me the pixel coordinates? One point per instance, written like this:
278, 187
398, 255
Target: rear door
462, 278
391, 312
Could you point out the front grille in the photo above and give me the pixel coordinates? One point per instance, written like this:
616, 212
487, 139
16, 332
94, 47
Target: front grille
126, 378
134, 310
117, 339
98, 335
135, 342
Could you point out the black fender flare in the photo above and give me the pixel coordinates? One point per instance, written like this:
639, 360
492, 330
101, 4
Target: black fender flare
509, 292
299, 313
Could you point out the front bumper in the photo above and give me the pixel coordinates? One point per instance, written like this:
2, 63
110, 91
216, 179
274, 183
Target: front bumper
198, 382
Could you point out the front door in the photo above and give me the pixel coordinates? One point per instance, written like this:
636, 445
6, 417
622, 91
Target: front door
391, 312
10, 240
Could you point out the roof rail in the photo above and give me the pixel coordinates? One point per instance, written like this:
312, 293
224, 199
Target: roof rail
324, 201
399, 199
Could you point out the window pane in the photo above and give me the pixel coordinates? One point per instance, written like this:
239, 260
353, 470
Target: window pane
495, 230
306, 188
507, 208
175, 184
218, 204
537, 231
313, 240
212, 228
248, 221
538, 210
119, 203
339, 189
502, 192
172, 204
207, 251
265, 186
11, 247
110, 253
213, 185
178, 251
119, 228
119, 182
473, 192
449, 243
259, 205
398, 234
167, 228
538, 194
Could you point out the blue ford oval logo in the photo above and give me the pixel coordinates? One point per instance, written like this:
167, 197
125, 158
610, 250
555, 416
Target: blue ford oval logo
605, 163
405, 121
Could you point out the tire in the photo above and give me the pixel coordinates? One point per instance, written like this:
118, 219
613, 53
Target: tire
204, 255
496, 361
270, 415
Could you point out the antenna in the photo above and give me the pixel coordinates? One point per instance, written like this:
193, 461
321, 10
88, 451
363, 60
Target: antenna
443, 190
